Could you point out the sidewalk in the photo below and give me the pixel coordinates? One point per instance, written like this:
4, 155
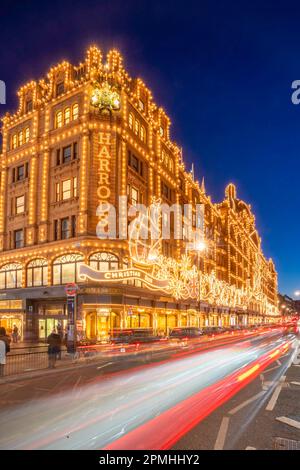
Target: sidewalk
66, 363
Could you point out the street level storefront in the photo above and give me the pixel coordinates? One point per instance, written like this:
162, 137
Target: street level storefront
12, 314
102, 311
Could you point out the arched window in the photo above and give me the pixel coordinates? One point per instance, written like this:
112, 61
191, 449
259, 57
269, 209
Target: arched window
11, 276
67, 115
143, 134
136, 127
27, 134
20, 138
14, 141
59, 119
65, 268
75, 111
37, 273
103, 261
130, 121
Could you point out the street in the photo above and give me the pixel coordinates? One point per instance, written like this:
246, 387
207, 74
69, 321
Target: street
198, 399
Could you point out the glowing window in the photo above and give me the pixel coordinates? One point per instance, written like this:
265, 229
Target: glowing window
130, 120
65, 268
136, 126
67, 115
57, 192
27, 134
14, 141
37, 273
59, 119
20, 138
143, 134
75, 186
20, 204
104, 261
134, 196
75, 111
11, 276
66, 189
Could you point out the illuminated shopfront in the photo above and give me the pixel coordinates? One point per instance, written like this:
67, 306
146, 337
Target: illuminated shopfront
11, 315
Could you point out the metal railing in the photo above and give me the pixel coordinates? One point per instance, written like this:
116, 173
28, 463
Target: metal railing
18, 363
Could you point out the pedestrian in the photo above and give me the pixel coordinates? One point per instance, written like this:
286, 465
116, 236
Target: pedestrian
54, 348
61, 334
4, 349
15, 334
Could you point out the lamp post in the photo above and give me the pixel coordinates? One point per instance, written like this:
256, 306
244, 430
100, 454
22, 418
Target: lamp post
200, 247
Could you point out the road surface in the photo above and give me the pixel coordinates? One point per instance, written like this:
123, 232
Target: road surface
146, 406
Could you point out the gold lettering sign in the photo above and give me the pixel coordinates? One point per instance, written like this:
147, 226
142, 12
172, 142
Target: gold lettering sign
104, 167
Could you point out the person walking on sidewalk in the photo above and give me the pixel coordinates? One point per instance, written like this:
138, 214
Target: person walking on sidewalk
15, 334
4, 349
54, 347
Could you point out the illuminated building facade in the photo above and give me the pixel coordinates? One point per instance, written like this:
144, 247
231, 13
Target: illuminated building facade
91, 133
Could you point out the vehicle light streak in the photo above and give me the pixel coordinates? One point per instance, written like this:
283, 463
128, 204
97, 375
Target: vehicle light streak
161, 434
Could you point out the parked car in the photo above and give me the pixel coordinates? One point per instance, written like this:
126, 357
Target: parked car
134, 335
214, 330
181, 333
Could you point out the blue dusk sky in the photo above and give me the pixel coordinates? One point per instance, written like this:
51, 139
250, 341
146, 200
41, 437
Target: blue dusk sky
222, 71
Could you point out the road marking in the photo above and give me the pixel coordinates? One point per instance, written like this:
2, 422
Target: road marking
220, 441
272, 368
267, 384
105, 365
290, 422
245, 403
295, 383
271, 405
250, 448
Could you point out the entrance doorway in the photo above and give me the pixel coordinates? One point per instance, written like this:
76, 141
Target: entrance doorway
46, 326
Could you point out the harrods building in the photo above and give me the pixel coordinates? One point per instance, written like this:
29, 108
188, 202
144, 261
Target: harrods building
91, 132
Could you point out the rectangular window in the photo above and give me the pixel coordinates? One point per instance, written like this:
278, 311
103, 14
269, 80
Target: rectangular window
65, 228
66, 189
57, 192
68, 273
141, 105
67, 115
28, 106
58, 157
60, 88
14, 141
20, 173
18, 239
73, 226
20, 204
27, 134
67, 154
55, 230
75, 151
134, 163
134, 196
75, 186
59, 119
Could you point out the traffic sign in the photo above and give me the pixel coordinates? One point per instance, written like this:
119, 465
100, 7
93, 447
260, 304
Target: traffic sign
71, 289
